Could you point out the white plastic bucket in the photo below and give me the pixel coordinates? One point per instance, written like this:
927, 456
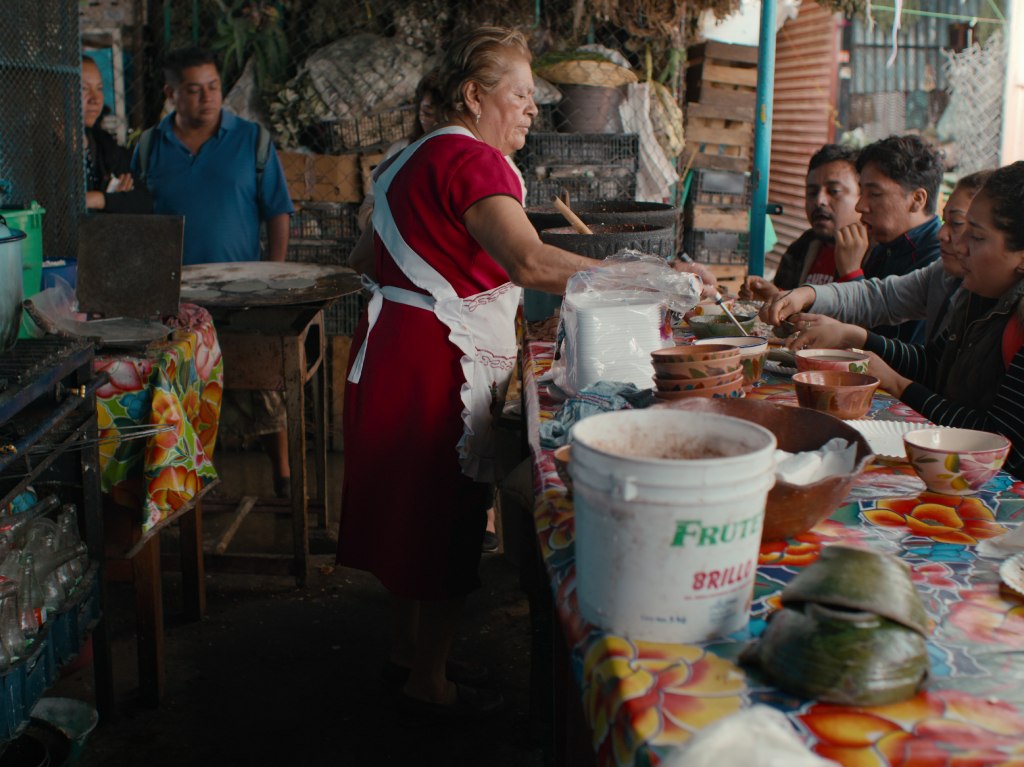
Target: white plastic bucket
666, 548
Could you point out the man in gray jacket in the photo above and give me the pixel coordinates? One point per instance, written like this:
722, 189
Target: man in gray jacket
920, 294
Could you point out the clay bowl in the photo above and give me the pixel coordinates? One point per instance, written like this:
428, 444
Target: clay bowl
698, 369
844, 395
733, 388
753, 352
860, 579
956, 461
831, 359
849, 657
690, 353
692, 384
793, 509
717, 325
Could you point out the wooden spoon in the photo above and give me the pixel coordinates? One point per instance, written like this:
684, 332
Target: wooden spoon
575, 221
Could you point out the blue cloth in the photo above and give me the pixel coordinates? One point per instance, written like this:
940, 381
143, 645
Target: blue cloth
601, 397
911, 250
215, 190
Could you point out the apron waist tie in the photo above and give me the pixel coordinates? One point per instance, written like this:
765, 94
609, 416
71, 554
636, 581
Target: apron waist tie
391, 293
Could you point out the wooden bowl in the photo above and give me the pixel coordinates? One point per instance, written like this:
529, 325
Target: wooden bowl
793, 509
842, 394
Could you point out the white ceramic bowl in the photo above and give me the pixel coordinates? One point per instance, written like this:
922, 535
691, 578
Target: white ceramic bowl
955, 461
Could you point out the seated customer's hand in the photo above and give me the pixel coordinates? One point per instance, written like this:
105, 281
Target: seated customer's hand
788, 302
852, 244
756, 288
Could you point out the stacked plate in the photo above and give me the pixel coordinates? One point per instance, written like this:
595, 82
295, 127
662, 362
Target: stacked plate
610, 337
710, 370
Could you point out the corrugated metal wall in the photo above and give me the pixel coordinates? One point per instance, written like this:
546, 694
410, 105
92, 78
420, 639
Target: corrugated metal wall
806, 63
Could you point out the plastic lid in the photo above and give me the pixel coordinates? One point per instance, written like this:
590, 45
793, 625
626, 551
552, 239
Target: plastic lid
9, 235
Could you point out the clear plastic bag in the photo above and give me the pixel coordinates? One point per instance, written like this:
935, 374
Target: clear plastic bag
615, 315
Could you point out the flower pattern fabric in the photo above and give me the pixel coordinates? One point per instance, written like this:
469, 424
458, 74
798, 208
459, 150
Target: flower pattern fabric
176, 387
643, 700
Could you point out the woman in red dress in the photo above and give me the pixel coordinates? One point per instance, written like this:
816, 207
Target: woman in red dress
449, 247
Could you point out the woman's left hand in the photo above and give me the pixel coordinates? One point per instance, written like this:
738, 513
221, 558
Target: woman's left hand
888, 378
817, 331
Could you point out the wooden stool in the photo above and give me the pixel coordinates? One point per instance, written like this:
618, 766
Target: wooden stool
278, 348
135, 556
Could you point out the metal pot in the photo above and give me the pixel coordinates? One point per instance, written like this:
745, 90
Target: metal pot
10, 284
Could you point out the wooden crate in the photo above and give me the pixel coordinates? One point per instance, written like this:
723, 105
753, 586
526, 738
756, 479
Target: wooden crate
730, 276
722, 75
720, 137
717, 218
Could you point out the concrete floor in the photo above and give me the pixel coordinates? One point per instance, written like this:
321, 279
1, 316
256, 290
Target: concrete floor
277, 676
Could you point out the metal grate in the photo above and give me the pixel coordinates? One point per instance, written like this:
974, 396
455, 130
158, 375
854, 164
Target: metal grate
34, 363
41, 136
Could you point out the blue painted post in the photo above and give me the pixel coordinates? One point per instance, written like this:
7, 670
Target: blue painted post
762, 135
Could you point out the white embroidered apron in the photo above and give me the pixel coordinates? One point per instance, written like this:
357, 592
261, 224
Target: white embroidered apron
482, 326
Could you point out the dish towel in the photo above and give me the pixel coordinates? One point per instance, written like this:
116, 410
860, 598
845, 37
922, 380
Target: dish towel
601, 397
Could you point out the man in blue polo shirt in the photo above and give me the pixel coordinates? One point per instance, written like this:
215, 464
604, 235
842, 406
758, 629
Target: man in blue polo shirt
203, 163
899, 184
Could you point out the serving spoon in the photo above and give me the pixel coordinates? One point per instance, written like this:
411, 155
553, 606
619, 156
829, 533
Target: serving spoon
719, 300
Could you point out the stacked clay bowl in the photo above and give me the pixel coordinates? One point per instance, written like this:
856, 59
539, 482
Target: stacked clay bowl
753, 352
712, 370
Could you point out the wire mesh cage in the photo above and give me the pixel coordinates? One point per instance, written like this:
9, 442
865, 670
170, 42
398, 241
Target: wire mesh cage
41, 136
590, 167
711, 247
341, 317
720, 188
369, 131
325, 221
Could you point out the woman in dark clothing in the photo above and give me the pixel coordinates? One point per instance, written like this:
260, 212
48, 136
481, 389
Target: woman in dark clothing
109, 183
972, 375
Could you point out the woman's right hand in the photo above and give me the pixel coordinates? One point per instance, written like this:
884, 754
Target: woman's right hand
787, 303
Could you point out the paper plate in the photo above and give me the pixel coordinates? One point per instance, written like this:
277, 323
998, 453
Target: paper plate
886, 437
1012, 573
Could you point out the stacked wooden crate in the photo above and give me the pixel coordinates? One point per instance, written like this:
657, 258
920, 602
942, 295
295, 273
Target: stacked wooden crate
721, 92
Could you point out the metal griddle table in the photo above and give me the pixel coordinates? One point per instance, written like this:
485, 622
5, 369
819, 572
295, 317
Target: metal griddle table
272, 338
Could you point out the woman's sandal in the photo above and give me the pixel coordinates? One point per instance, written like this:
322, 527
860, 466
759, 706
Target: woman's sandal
472, 704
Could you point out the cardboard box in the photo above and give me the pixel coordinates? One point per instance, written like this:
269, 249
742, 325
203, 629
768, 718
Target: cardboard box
322, 177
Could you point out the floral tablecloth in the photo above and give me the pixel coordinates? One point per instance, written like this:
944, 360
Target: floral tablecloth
643, 700
176, 384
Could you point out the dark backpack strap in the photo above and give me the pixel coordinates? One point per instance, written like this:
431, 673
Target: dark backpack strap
145, 149
263, 144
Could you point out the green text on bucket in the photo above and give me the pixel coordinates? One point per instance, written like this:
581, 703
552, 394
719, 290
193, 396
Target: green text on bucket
713, 535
